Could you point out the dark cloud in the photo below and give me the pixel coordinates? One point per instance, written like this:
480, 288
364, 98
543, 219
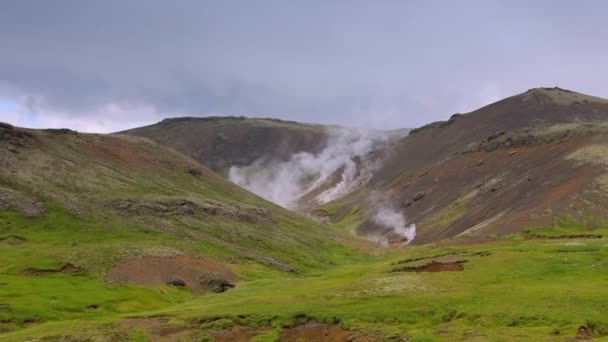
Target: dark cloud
386, 64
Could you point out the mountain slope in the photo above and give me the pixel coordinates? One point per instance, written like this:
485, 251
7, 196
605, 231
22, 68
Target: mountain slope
115, 238
222, 142
84, 211
292, 164
534, 159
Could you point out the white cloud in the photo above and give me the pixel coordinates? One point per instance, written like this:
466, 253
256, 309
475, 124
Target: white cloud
106, 119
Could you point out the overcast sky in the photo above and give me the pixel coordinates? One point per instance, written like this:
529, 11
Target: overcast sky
105, 65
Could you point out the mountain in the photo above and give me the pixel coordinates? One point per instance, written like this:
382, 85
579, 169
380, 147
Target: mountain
119, 238
534, 159
222, 142
295, 165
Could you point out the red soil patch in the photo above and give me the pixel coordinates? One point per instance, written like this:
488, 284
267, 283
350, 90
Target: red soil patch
66, 268
315, 332
182, 270
138, 155
234, 334
121, 152
434, 266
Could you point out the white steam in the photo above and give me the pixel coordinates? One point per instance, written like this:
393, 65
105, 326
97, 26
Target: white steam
388, 217
286, 182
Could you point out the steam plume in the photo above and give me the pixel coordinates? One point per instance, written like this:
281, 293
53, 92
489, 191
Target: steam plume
288, 181
386, 216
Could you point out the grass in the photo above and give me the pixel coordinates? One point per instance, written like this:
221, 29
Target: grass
538, 285
452, 212
518, 289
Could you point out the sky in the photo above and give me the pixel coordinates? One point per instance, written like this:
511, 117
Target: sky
104, 66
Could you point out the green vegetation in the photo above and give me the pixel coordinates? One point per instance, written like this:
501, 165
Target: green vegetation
453, 211
108, 199
531, 289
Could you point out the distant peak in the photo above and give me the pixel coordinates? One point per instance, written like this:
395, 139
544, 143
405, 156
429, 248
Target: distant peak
226, 118
203, 118
560, 96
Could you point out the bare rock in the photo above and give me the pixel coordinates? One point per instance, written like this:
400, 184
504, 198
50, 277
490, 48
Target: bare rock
215, 282
418, 196
176, 282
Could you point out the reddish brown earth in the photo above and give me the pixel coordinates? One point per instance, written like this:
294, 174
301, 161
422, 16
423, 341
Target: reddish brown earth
137, 154
315, 332
495, 171
180, 270
235, 334
434, 266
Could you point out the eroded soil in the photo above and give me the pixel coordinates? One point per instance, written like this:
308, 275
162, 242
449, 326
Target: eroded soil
197, 274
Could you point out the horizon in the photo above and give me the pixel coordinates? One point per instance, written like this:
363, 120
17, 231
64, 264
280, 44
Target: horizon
109, 66
4, 105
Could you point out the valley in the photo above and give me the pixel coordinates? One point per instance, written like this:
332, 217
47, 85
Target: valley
491, 225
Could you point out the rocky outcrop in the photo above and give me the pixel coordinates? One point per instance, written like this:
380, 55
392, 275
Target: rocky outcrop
25, 205
186, 207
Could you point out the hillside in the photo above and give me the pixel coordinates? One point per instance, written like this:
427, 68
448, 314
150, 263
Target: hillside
532, 160
222, 142
117, 238
292, 164
92, 212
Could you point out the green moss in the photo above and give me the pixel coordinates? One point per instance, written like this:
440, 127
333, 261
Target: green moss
453, 211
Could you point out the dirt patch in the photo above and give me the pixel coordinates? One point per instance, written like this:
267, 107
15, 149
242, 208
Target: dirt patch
65, 268
583, 333
233, 334
433, 266
429, 257
13, 240
198, 274
315, 332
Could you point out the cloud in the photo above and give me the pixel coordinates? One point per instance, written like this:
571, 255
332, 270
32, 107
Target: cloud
375, 64
106, 118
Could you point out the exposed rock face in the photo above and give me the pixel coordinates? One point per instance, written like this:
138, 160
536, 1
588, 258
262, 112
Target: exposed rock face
13, 138
418, 196
20, 202
215, 282
176, 282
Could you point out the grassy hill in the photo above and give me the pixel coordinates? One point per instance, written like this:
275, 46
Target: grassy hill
75, 209
117, 238
529, 287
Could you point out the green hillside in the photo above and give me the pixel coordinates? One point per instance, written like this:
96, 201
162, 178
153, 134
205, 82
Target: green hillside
92, 202
116, 238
